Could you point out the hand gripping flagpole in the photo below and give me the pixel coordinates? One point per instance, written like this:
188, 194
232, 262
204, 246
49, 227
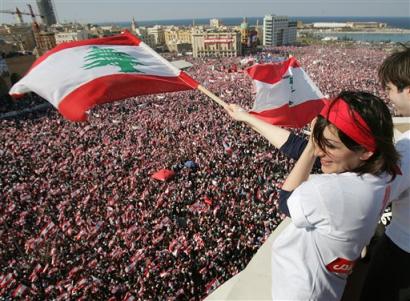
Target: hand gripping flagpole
212, 96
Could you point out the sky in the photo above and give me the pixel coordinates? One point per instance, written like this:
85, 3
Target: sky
92, 11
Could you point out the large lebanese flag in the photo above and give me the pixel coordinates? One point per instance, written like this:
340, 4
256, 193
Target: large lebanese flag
76, 76
285, 94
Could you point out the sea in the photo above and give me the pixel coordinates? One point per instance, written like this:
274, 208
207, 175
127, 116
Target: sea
369, 37
392, 22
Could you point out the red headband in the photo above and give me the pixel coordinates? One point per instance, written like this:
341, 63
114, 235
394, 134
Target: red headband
349, 122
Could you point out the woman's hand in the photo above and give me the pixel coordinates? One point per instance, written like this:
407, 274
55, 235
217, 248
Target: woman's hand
275, 134
311, 144
236, 112
312, 124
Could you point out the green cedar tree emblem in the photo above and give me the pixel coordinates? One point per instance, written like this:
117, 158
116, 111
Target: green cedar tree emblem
291, 87
100, 57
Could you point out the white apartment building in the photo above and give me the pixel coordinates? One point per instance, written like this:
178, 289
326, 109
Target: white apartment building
292, 32
277, 31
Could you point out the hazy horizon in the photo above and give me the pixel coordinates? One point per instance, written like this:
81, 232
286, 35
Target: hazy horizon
101, 11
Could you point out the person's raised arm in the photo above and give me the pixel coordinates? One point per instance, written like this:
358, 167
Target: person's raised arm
302, 169
274, 134
299, 174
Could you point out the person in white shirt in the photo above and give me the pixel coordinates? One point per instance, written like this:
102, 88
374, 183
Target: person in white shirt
388, 276
334, 215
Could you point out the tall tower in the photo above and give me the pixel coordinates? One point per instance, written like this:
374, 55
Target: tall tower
133, 25
244, 32
19, 17
275, 30
47, 10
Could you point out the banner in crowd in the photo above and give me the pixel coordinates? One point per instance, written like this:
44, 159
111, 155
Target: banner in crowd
285, 94
76, 76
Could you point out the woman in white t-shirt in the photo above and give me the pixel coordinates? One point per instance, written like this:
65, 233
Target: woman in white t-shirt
334, 214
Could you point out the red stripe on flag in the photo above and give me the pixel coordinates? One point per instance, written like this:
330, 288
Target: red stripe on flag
188, 80
292, 116
116, 87
17, 96
271, 73
124, 39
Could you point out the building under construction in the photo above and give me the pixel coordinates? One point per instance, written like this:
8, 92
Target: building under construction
46, 9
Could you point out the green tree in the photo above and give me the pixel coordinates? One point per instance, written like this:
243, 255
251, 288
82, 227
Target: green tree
99, 57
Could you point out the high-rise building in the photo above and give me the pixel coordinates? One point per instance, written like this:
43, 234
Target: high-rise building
277, 31
292, 32
46, 9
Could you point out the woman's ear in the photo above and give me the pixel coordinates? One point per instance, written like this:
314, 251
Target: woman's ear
366, 155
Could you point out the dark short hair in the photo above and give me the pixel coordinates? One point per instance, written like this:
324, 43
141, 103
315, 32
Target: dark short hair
395, 69
376, 114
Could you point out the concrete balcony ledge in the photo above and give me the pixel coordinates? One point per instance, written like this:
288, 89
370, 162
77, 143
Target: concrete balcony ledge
254, 282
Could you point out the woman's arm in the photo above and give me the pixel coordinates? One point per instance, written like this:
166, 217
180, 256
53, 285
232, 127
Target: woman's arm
274, 134
288, 143
299, 174
302, 168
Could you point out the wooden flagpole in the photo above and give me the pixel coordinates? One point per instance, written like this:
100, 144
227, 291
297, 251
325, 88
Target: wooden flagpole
212, 96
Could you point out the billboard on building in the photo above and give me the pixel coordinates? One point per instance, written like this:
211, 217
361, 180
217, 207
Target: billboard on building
218, 41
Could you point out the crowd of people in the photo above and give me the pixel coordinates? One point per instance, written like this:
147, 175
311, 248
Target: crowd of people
26, 104
81, 217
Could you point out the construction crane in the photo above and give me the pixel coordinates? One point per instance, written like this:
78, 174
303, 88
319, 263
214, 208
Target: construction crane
36, 27
19, 14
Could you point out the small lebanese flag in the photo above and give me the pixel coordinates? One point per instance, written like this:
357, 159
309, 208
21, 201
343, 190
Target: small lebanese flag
76, 76
285, 94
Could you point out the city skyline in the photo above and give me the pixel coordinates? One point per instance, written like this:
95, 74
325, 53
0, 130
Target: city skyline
95, 11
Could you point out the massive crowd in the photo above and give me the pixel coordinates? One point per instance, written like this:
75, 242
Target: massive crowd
81, 217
